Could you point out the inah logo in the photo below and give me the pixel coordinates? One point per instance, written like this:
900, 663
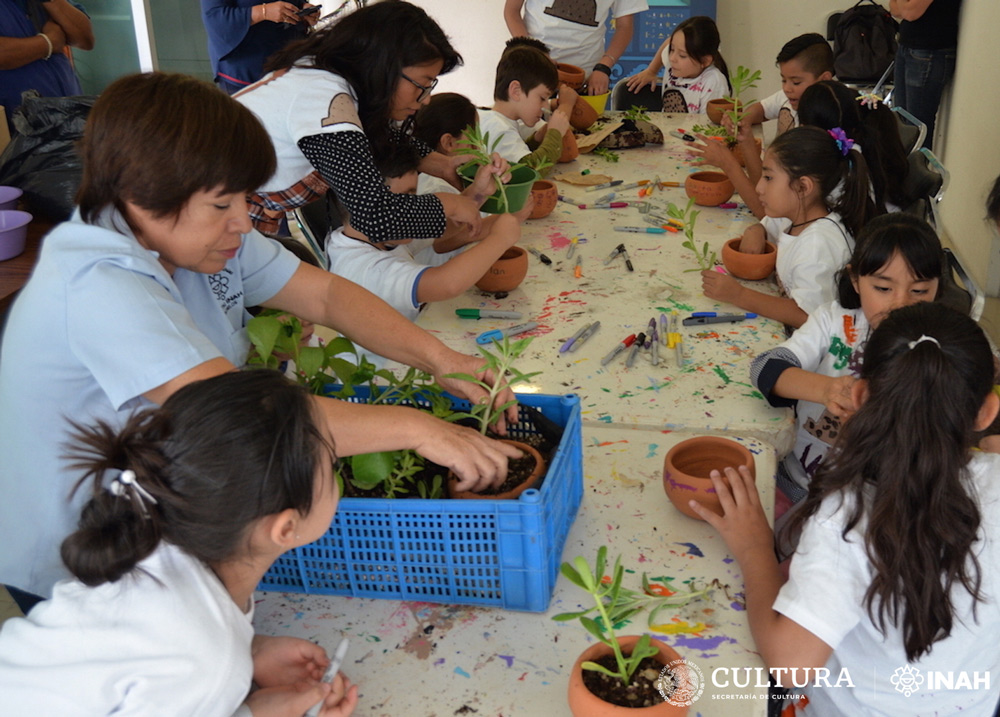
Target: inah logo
681, 683
907, 679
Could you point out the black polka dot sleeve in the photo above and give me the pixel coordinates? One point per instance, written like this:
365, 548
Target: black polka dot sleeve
344, 160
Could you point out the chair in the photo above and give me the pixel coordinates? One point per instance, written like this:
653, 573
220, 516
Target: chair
911, 130
316, 220
622, 98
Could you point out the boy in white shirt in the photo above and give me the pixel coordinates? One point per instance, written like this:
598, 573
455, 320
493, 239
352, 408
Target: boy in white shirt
526, 78
405, 277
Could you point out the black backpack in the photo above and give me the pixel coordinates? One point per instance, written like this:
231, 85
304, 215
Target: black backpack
864, 42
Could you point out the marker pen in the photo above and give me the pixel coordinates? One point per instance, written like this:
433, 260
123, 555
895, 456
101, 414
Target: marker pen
578, 268
488, 337
591, 330
606, 205
656, 348
604, 199
664, 329
572, 248
728, 205
541, 257
567, 200
613, 183
642, 230
331, 672
612, 255
639, 341
618, 349
487, 314
651, 330
717, 319
680, 134
624, 253
633, 185
569, 342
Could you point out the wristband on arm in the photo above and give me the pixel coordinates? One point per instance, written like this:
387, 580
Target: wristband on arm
601, 67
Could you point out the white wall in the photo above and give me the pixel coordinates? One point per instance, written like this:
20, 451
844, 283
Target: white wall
752, 33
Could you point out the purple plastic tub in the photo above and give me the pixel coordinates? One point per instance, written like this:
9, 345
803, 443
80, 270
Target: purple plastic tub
13, 231
9, 197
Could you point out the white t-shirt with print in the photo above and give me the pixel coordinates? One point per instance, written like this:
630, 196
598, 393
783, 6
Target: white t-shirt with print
697, 91
575, 32
499, 126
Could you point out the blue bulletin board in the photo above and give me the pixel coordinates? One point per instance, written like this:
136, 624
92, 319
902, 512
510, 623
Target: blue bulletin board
652, 27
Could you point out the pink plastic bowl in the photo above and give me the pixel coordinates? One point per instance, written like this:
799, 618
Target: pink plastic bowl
9, 197
13, 231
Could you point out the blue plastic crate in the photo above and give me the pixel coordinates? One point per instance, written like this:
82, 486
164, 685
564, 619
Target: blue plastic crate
496, 553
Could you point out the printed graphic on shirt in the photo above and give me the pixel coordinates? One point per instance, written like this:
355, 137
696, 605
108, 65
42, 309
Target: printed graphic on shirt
673, 101
826, 428
785, 120
341, 111
220, 287
582, 12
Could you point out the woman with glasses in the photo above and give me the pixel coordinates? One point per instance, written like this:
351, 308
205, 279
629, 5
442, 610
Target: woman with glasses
341, 96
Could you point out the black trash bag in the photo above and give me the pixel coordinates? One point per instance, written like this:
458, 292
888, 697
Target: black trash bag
42, 158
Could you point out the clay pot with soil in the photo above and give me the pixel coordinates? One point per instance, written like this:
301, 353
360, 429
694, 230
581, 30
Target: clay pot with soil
687, 467
709, 189
507, 272
545, 194
522, 474
583, 702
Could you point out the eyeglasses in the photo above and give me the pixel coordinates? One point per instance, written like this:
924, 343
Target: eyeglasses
424, 91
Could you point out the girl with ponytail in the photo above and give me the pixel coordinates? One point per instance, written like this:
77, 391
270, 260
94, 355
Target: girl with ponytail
895, 578
814, 232
190, 505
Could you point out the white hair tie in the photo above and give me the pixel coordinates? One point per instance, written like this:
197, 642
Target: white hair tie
126, 485
924, 337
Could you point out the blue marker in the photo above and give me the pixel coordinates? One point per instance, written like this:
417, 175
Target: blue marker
488, 337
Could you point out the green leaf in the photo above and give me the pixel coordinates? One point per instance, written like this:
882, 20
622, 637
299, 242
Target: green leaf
572, 575
370, 469
593, 628
594, 667
310, 360
263, 333
567, 616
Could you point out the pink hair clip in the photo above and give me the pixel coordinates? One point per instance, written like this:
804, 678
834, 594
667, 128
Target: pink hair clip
869, 100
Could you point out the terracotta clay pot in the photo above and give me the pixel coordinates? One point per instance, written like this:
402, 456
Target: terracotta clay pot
737, 151
748, 266
571, 75
709, 189
583, 114
570, 149
545, 194
688, 464
584, 703
530, 481
716, 109
507, 272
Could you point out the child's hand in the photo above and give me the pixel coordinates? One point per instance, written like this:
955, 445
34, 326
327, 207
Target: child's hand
721, 287
743, 524
286, 660
567, 99
642, 78
523, 213
837, 396
713, 152
339, 699
754, 240
559, 121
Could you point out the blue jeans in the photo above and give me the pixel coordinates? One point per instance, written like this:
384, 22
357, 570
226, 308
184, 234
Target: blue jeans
920, 79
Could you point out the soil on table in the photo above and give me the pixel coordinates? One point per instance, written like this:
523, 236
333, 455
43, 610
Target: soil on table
642, 692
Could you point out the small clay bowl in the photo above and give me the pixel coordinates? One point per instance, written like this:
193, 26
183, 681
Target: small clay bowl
583, 114
545, 194
748, 266
709, 189
687, 467
716, 109
514, 492
571, 75
507, 272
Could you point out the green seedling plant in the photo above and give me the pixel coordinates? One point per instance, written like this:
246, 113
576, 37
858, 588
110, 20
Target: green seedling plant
606, 154
276, 336
613, 606
741, 81
703, 255
478, 145
636, 114
500, 362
